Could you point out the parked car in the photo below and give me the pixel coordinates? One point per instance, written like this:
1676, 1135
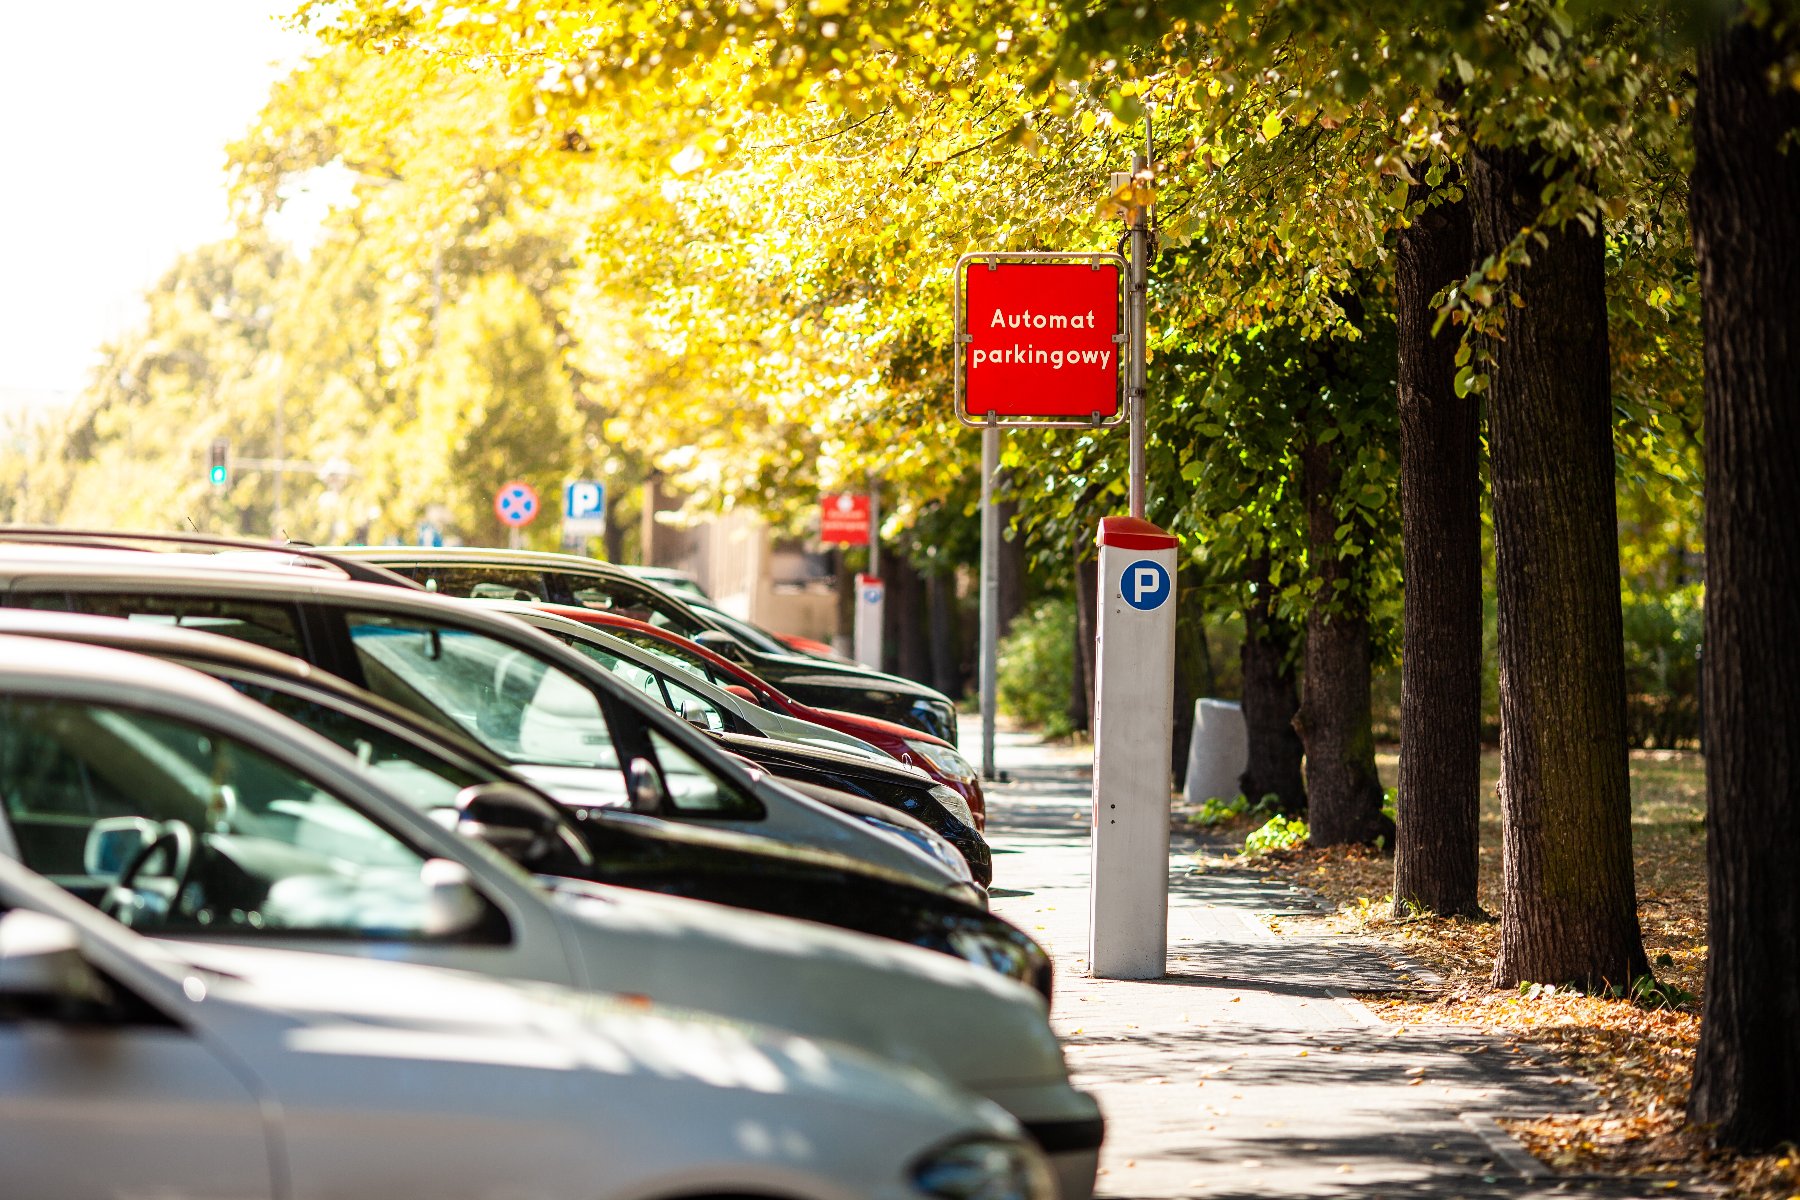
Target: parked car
913, 747
570, 579
218, 1072
670, 580
468, 788
862, 772
557, 716
193, 813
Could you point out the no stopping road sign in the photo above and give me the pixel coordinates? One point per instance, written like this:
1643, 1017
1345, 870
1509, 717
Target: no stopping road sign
516, 503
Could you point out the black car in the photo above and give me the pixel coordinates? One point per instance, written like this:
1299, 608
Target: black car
460, 781
570, 579
886, 781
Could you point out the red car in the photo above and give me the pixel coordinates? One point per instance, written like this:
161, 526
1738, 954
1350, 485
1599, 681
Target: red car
934, 756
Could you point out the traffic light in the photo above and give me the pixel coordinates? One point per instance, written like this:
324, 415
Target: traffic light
218, 460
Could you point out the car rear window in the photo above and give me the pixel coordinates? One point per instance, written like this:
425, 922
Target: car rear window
261, 623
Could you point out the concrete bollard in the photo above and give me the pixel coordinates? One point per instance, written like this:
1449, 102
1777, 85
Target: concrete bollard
1218, 751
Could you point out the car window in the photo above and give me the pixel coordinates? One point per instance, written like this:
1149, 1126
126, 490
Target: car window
628, 599
685, 659
479, 582
660, 686
427, 781
263, 623
695, 790
227, 840
746, 633
522, 707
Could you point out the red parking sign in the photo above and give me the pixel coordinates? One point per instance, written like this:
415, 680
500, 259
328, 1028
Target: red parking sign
1041, 339
844, 519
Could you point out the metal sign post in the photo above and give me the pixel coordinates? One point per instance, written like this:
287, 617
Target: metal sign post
990, 597
1134, 693
871, 593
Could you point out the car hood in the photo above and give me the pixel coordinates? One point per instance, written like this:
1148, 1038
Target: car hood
325, 1005
897, 1001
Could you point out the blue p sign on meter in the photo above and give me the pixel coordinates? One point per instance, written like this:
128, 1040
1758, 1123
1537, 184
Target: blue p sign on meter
1145, 584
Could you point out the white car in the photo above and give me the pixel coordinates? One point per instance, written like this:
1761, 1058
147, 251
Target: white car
192, 813
699, 701
131, 1068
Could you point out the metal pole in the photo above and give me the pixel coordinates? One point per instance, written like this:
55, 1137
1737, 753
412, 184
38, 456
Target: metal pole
1135, 321
990, 597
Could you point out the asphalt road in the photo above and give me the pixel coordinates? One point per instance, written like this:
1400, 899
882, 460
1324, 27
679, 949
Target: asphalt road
1251, 1070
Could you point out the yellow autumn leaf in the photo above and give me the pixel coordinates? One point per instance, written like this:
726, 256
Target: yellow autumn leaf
1271, 126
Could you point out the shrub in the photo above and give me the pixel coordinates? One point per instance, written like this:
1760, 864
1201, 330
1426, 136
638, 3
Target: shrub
1279, 833
1037, 664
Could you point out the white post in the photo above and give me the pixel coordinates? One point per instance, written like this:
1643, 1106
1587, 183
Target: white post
870, 596
1134, 722
990, 597
870, 590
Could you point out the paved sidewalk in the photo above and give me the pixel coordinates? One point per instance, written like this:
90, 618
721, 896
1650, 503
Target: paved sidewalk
1249, 1071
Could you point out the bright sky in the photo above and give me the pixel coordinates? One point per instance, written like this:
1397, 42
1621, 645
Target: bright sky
114, 115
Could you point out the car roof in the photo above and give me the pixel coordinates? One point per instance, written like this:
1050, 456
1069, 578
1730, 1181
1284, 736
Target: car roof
235, 552
492, 555
40, 666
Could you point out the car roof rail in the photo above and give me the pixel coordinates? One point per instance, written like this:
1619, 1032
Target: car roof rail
147, 540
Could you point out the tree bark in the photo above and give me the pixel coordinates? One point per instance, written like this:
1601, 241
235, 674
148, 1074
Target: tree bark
1336, 719
1087, 587
946, 662
1570, 908
1271, 699
1193, 674
1012, 567
1745, 205
1437, 839
908, 647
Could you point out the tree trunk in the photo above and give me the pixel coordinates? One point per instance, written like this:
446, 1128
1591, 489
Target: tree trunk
1570, 910
908, 647
1745, 202
1012, 567
1271, 699
1193, 674
1087, 587
1437, 839
1336, 719
946, 663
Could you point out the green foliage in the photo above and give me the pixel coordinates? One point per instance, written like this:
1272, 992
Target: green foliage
1217, 810
1663, 631
1037, 665
1278, 833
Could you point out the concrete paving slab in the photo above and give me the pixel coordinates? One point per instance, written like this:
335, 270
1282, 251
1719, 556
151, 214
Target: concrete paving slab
1250, 1071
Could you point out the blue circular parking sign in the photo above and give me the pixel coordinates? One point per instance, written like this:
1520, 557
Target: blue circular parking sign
1144, 584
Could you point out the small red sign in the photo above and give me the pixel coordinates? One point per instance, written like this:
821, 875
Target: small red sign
844, 519
1042, 339
516, 503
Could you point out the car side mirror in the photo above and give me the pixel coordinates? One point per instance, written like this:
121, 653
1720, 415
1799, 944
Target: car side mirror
694, 713
645, 787
522, 825
41, 963
452, 905
721, 643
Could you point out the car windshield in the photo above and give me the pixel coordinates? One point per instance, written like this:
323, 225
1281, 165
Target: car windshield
178, 828
506, 697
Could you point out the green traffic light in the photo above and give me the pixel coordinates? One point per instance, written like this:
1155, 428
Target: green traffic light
218, 476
